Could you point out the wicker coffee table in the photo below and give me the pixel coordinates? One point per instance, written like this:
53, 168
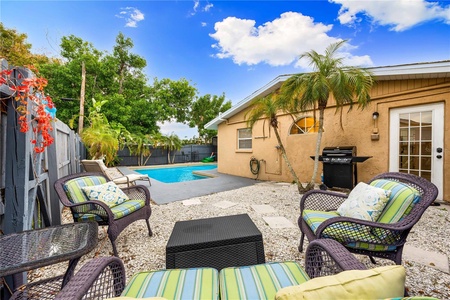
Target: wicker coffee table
215, 242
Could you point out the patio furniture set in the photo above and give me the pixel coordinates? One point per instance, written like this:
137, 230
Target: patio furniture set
223, 257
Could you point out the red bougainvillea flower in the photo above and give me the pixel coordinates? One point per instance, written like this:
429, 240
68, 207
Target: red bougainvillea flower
40, 118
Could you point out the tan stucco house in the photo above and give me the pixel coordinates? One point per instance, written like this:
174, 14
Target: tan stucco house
410, 134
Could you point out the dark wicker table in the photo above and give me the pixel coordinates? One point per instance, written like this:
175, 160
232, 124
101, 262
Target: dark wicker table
215, 242
33, 249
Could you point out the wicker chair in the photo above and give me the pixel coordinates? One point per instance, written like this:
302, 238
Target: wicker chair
375, 239
117, 218
323, 257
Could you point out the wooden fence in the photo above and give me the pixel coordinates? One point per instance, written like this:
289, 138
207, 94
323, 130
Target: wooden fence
27, 197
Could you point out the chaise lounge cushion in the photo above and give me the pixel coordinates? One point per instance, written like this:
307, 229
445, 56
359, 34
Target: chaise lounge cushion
193, 283
259, 281
364, 202
378, 283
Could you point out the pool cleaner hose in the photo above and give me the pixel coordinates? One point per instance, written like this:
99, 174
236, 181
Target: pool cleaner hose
254, 166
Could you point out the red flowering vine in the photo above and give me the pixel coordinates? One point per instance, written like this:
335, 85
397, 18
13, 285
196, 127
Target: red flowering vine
43, 109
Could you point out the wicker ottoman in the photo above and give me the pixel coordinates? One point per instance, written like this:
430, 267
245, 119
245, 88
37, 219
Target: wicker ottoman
218, 243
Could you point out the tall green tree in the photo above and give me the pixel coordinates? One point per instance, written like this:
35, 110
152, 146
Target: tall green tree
17, 51
127, 62
347, 85
203, 110
268, 108
173, 99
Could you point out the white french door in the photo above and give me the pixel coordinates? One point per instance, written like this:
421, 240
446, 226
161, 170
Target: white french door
417, 142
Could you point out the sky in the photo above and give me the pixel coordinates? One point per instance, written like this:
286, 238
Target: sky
237, 47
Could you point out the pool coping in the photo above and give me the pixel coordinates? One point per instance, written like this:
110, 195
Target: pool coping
163, 193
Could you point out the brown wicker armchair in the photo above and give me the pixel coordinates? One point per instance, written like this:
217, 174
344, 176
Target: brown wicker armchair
100, 278
375, 239
104, 279
117, 218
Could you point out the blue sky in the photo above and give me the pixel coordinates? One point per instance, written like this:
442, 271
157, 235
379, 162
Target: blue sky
236, 47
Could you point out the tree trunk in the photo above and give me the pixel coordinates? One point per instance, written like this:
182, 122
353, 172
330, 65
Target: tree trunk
319, 141
82, 94
301, 189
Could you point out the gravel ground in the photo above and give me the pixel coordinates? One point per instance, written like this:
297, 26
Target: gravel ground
140, 252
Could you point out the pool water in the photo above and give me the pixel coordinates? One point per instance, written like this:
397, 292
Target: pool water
176, 174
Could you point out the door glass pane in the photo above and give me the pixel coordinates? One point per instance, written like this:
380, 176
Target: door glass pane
415, 146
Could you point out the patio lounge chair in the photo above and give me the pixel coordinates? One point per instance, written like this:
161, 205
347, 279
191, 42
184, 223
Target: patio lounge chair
409, 196
330, 272
98, 166
117, 209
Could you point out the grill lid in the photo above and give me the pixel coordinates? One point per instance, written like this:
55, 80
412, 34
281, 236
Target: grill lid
339, 151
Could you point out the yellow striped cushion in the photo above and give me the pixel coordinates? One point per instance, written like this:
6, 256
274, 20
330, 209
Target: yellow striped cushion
259, 281
401, 200
192, 284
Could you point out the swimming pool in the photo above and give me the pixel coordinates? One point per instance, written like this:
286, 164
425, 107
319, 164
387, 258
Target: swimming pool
176, 174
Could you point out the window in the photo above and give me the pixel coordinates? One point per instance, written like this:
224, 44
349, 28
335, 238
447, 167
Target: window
305, 125
245, 138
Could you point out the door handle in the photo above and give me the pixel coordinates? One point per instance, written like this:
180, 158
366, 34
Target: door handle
439, 156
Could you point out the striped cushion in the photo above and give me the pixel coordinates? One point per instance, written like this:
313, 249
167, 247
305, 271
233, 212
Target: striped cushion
367, 241
189, 284
401, 200
118, 211
314, 217
259, 281
73, 187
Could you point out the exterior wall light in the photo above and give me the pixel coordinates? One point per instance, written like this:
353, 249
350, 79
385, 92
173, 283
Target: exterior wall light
375, 136
375, 115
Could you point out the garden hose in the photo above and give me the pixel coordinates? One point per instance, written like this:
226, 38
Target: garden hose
254, 166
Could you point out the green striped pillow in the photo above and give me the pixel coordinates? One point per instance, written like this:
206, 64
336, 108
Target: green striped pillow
401, 200
259, 281
73, 187
194, 283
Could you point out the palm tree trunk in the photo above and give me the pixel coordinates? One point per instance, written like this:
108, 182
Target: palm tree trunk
319, 141
301, 189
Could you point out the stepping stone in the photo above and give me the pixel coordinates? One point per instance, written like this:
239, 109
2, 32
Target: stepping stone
191, 202
263, 209
278, 222
224, 204
427, 258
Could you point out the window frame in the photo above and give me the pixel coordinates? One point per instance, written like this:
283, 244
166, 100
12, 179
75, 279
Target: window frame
294, 124
239, 139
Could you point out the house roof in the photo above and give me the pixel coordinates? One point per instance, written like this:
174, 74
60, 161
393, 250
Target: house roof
438, 69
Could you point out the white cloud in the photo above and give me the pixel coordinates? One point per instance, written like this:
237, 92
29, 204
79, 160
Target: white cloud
208, 7
400, 15
131, 15
277, 43
204, 24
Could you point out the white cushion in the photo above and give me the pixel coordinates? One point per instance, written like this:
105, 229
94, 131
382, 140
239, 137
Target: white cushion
364, 202
131, 178
108, 192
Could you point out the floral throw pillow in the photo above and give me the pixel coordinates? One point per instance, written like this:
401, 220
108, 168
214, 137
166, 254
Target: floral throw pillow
364, 202
108, 192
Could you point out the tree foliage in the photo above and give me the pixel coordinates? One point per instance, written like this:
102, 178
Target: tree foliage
203, 110
346, 84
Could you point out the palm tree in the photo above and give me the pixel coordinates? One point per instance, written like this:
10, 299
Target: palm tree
172, 143
330, 77
268, 107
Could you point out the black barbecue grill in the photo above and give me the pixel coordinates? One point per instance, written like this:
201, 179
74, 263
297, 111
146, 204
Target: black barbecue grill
339, 166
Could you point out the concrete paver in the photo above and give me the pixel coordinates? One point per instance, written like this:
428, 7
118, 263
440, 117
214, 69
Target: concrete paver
427, 258
278, 222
